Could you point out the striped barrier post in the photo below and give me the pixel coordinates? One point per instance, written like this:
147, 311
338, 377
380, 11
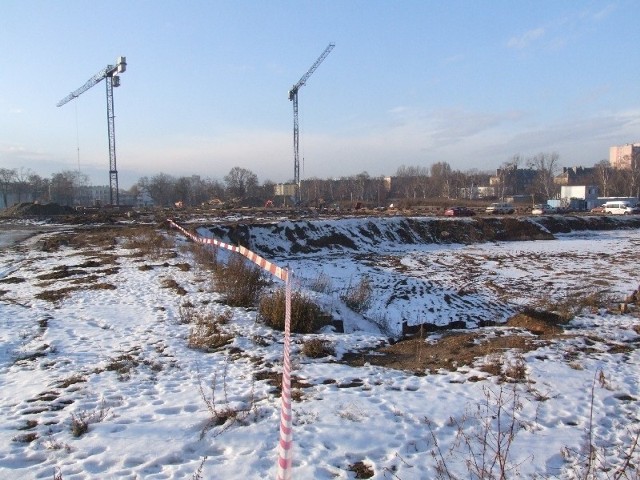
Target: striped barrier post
285, 459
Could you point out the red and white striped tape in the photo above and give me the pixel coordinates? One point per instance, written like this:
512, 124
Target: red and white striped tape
285, 458
272, 268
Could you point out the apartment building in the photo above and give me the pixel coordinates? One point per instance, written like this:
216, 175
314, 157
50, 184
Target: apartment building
620, 157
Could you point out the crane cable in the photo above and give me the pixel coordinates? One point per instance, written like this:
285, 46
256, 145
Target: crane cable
77, 137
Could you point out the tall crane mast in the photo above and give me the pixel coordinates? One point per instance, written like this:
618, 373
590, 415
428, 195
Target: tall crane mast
293, 96
110, 75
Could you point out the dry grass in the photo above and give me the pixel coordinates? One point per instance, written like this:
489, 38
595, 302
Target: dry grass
80, 421
171, 284
306, 316
206, 333
317, 348
25, 437
239, 281
123, 365
72, 380
147, 241
362, 470
204, 256
358, 296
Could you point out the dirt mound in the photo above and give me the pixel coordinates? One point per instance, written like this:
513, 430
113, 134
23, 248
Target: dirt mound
25, 209
537, 322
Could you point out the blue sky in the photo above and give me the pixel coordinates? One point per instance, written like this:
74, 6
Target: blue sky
471, 83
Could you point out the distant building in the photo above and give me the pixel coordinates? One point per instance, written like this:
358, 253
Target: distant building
511, 180
576, 176
476, 192
579, 197
621, 157
144, 199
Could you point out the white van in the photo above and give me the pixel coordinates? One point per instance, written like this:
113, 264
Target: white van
620, 208
500, 208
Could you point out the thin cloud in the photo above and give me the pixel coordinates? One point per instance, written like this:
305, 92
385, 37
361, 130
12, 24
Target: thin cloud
603, 13
526, 39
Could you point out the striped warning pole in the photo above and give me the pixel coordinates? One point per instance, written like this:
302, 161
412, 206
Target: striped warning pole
285, 460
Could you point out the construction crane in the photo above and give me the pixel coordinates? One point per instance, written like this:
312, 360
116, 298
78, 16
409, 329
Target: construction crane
110, 75
293, 96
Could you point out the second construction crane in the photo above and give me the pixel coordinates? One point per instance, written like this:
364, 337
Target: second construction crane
110, 75
293, 96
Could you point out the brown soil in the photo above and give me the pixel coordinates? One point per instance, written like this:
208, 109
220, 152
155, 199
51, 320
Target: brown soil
451, 350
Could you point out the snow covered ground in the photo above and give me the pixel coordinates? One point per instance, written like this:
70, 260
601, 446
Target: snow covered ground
112, 355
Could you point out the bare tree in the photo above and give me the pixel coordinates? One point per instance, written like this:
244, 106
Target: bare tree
39, 187
508, 176
603, 176
7, 179
441, 178
546, 166
67, 186
634, 177
161, 187
241, 182
183, 190
22, 183
412, 182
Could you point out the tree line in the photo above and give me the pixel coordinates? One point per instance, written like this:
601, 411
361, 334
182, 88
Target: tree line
241, 187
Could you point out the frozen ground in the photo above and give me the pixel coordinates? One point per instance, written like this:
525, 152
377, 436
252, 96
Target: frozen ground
112, 354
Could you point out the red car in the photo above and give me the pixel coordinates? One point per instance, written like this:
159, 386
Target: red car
459, 212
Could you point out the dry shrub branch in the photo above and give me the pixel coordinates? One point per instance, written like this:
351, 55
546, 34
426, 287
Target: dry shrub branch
484, 438
223, 413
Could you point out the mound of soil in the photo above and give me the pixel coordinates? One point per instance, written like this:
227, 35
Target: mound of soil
538, 323
22, 210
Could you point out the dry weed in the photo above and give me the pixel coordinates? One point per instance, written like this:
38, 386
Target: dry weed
358, 296
317, 348
222, 413
80, 422
206, 334
306, 316
239, 281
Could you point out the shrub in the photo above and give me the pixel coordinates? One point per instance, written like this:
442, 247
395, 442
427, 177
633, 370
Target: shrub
306, 316
358, 297
317, 348
80, 422
240, 281
322, 284
484, 437
516, 370
205, 256
206, 334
